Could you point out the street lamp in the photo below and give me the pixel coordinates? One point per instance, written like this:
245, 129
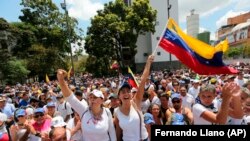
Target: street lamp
170, 55
64, 7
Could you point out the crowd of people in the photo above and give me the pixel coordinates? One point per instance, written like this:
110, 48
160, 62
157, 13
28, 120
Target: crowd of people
111, 109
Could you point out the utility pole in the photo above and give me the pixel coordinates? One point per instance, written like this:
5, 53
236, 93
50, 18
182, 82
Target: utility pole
170, 55
64, 7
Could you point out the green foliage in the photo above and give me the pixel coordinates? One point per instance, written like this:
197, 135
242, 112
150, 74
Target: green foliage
44, 60
81, 63
52, 30
15, 71
246, 50
41, 39
115, 27
234, 52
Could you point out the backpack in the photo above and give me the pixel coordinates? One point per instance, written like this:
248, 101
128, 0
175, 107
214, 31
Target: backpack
65, 107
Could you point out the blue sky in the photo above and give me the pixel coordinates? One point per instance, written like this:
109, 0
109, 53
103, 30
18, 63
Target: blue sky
213, 13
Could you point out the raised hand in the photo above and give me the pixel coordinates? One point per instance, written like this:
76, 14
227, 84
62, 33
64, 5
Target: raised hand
61, 74
151, 58
230, 89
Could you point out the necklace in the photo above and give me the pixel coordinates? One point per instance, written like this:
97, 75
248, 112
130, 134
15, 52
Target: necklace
95, 118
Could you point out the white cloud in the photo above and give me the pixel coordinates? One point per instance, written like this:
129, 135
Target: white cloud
202, 7
223, 20
242, 4
83, 9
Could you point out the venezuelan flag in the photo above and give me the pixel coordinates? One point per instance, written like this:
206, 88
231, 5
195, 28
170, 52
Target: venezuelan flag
131, 79
69, 73
199, 56
47, 79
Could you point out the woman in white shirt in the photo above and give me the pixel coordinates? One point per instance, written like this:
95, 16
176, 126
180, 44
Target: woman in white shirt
96, 121
128, 117
74, 124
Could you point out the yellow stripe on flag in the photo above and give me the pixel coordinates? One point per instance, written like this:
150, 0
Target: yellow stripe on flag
201, 48
47, 79
130, 71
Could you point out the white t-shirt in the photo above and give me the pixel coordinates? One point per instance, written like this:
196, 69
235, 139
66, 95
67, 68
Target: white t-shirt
64, 109
188, 101
130, 125
101, 130
194, 92
240, 82
198, 109
145, 105
78, 135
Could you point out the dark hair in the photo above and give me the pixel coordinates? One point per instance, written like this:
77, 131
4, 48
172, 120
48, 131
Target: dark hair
164, 95
146, 95
176, 83
78, 92
51, 133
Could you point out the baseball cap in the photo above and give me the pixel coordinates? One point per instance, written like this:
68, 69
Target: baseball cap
112, 95
20, 112
29, 111
58, 122
51, 104
133, 90
175, 96
213, 80
124, 85
3, 117
148, 118
39, 110
196, 81
4, 137
97, 93
177, 119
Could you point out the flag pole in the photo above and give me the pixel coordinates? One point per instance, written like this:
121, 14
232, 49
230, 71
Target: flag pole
162, 33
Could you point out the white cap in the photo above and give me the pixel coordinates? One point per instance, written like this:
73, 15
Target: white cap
133, 90
58, 122
29, 111
196, 81
97, 93
3, 117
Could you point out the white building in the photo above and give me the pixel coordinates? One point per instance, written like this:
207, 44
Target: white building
147, 43
193, 24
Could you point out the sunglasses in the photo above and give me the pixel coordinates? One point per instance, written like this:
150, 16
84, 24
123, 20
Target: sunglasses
20, 116
176, 101
38, 115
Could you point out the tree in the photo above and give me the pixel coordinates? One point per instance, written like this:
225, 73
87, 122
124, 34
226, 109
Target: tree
246, 50
51, 32
114, 28
16, 71
234, 52
81, 63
